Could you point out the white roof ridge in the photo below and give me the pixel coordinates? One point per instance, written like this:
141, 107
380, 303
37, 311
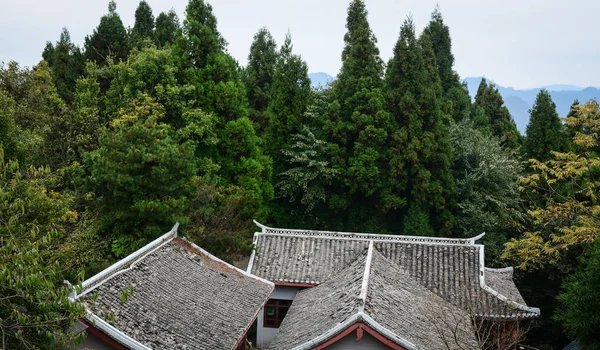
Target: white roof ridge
534, 311
125, 264
362, 297
265, 230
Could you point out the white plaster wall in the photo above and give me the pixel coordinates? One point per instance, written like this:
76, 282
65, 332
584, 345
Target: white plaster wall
367, 342
264, 336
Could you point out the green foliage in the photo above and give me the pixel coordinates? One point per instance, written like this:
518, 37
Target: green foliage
140, 176
167, 25
563, 219
143, 28
35, 311
487, 196
580, 315
258, 77
417, 222
545, 131
287, 106
109, 40
67, 63
501, 123
421, 153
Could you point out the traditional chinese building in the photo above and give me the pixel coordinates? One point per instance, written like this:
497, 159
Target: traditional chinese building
171, 294
339, 290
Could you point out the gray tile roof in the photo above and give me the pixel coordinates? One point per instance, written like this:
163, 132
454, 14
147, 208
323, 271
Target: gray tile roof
183, 298
386, 298
574, 345
450, 268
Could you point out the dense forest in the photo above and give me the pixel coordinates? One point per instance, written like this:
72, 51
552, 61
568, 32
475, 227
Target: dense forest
104, 147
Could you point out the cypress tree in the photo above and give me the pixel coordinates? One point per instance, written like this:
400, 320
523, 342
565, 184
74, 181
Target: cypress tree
67, 63
143, 27
167, 25
109, 39
358, 126
545, 131
421, 152
291, 95
457, 100
258, 76
502, 124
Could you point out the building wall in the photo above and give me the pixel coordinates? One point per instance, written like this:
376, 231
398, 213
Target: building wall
94, 343
264, 336
349, 342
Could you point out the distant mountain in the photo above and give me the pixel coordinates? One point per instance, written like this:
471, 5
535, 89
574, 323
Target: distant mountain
320, 79
519, 102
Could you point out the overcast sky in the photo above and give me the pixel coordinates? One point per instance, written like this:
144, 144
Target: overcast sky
519, 43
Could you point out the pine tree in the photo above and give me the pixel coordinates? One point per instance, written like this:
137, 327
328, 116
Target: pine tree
545, 131
358, 126
291, 95
258, 77
457, 99
421, 152
502, 124
67, 63
167, 25
143, 27
109, 39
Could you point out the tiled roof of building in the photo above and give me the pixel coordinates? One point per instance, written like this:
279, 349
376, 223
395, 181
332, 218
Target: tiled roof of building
183, 298
574, 345
450, 268
375, 291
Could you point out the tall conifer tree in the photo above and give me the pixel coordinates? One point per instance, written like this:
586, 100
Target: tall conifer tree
167, 25
109, 39
457, 99
67, 63
258, 76
359, 125
501, 122
545, 131
421, 151
143, 27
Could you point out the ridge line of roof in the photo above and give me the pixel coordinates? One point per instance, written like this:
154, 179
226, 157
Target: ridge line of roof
500, 270
367, 236
365, 281
116, 268
251, 261
533, 310
246, 274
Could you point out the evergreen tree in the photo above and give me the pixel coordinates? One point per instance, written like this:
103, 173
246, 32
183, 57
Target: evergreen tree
167, 25
291, 95
143, 27
457, 99
109, 39
502, 125
258, 77
67, 63
358, 126
421, 151
545, 131
581, 312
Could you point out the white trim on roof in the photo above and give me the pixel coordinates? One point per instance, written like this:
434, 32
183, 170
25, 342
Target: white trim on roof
365, 282
115, 333
533, 311
365, 236
251, 261
500, 270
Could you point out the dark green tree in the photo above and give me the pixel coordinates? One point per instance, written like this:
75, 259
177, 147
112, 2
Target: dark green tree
258, 77
143, 27
358, 126
502, 125
580, 315
291, 95
140, 176
421, 153
167, 25
67, 63
457, 100
109, 39
545, 131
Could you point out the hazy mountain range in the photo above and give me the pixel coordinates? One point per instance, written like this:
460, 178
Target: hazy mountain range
518, 102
